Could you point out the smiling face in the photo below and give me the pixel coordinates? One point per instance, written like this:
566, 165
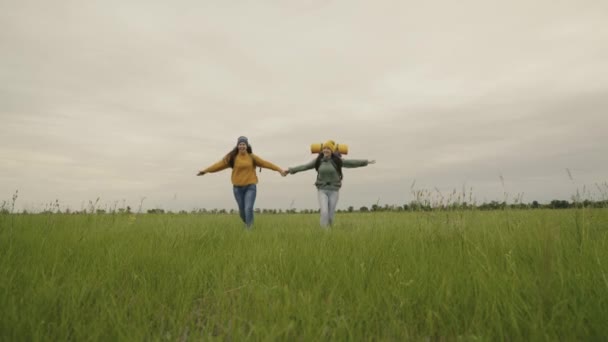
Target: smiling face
242, 147
326, 152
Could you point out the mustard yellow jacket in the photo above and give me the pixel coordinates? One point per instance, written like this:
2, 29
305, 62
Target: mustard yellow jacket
243, 172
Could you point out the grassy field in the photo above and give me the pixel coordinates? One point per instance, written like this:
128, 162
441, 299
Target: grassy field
435, 276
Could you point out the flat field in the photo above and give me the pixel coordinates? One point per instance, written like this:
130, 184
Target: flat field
434, 276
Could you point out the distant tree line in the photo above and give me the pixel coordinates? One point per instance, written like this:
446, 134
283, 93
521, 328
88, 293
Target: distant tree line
414, 206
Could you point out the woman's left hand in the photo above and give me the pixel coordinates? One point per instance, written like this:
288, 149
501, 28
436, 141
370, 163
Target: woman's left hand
371, 162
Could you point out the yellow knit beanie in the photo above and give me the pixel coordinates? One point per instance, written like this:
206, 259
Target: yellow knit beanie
330, 144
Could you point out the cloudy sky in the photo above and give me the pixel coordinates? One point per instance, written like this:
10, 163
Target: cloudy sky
126, 100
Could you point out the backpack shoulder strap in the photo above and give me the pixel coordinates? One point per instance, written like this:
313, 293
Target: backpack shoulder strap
318, 162
337, 163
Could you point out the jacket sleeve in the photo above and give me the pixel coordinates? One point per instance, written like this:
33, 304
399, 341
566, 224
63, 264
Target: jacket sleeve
219, 166
307, 166
265, 164
352, 163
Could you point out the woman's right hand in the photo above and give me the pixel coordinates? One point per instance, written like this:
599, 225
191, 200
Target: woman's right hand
200, 173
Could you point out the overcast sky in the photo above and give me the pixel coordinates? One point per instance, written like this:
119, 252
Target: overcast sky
126, 100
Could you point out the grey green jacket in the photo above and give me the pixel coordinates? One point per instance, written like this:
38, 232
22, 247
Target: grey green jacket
328, 177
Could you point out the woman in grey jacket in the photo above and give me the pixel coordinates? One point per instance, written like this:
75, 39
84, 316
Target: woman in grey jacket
329, 178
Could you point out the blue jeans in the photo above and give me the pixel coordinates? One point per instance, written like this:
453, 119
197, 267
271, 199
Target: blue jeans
245, 198
328, 200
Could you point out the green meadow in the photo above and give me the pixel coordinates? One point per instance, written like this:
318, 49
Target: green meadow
464, 275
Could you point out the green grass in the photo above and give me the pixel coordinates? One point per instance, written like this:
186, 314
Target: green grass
462, 275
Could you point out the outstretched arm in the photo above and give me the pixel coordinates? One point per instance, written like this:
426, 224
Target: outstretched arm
352, 163
300, 168
268, 165
219, 166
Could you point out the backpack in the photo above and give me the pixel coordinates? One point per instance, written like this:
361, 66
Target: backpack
335, 160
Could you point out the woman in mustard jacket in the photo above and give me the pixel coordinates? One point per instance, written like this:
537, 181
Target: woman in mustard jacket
244, 178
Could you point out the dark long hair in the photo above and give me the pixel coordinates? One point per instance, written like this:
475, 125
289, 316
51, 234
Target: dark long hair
229, 158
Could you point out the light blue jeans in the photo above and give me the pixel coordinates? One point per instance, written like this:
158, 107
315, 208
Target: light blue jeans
245, 198
328, 200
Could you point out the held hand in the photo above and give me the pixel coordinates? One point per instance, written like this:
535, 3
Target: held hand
371, 162
200, 173
284, 173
